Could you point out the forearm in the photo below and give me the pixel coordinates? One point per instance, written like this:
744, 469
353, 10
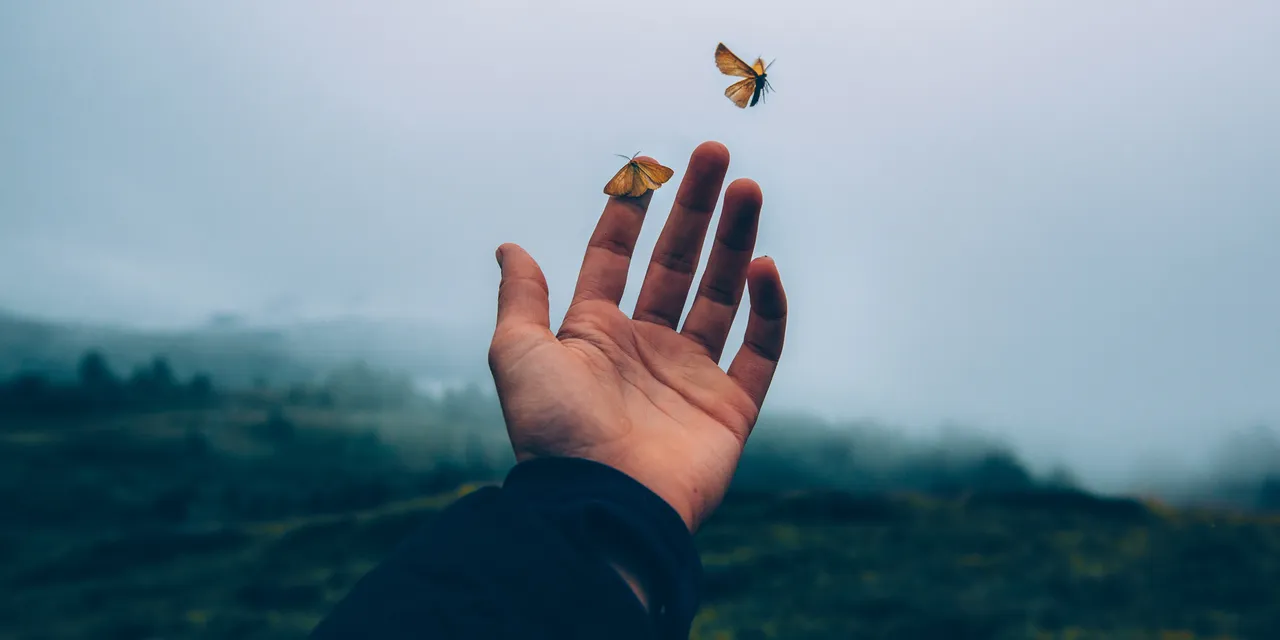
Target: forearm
567, 548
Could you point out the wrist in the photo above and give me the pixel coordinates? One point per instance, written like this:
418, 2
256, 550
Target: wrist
669, 492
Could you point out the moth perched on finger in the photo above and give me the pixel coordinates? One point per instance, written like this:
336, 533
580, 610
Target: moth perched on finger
637, 177
755, 82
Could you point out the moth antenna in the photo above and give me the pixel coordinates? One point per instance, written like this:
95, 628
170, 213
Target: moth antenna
766, 67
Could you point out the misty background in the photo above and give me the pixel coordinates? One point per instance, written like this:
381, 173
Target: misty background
1054, 223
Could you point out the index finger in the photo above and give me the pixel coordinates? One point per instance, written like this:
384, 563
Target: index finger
604, 267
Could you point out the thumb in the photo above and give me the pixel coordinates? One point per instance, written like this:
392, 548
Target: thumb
523, 297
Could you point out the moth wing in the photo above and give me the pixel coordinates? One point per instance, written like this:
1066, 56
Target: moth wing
641, 183
623, 182
732, 65
655, 172
741, 92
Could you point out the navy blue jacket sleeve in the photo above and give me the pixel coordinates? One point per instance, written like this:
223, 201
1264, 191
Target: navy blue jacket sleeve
527, 560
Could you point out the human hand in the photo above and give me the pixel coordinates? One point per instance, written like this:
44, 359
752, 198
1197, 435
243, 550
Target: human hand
635, 393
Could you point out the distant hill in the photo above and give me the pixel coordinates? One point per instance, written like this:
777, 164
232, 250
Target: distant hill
236, 354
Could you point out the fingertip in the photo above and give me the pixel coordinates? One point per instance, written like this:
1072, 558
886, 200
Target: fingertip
700, 188
746, 190
713, 154
713, 147
764, 266
505, 251
513, 255
764, 284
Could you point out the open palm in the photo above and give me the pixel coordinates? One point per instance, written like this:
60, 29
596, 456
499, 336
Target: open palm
633, 392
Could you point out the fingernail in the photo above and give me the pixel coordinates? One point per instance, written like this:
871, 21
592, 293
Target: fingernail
497, 254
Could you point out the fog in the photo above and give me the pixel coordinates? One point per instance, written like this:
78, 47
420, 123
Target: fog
1053, 221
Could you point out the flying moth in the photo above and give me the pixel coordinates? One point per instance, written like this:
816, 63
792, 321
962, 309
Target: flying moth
636, 177
755, 79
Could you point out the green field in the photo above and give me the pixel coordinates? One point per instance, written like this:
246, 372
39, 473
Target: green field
249, 522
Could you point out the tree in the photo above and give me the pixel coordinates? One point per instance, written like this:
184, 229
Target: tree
162, 374
154, 384
200, 389
94, 373
99, 388
1000, 470
1269, 493
26, 393
357, 385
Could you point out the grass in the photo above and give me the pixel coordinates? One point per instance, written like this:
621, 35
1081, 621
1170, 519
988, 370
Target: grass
130, 529
1001, 567
775, 567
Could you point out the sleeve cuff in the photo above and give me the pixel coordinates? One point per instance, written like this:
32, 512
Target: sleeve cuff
601, 504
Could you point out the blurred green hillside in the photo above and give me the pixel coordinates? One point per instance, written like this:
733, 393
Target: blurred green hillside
238, 354
156, 505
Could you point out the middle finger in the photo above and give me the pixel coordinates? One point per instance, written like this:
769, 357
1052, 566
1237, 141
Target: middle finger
675, 258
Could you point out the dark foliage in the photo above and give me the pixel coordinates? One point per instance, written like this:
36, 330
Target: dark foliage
201, 514
97, 391
1269, 493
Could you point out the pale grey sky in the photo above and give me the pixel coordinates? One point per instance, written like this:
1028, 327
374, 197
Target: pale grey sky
1058, 220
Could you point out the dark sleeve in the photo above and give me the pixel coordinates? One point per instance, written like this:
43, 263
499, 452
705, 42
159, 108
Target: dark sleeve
525, 561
